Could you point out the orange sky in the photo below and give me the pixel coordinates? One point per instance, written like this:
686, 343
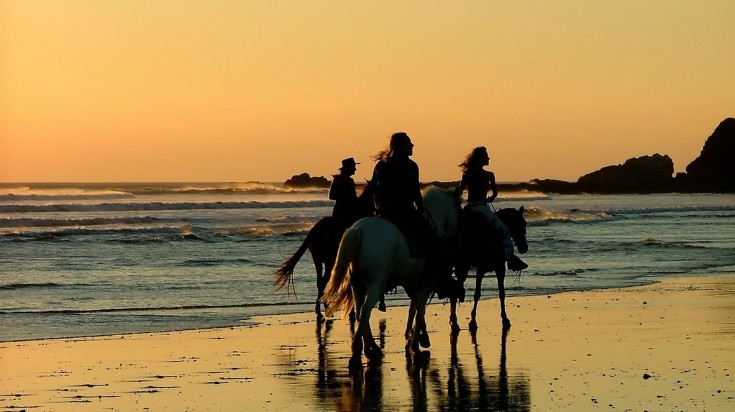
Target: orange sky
213, 90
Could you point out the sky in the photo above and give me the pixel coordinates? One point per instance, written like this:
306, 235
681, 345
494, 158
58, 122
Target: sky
238, 90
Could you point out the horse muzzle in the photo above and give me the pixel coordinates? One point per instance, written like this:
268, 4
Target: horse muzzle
523, 247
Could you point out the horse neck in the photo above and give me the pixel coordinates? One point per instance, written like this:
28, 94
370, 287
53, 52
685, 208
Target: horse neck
365, 203
507, 217
444, 216
504, 216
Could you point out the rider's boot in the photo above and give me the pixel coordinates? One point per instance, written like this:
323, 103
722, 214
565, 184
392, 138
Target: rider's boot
516, 264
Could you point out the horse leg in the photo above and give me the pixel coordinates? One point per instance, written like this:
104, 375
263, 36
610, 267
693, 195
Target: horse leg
409, 324
461, 272
372, 350
419, 326
453, 316
478, 293
320, 284
500, 275
360, 295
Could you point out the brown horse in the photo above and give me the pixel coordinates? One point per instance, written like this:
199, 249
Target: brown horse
322, 242
482, 249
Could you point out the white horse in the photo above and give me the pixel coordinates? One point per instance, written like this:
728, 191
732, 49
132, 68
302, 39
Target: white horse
374, 256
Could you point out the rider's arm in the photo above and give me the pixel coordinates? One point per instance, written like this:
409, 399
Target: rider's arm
334, 189
417, 199
493, 187
462, 185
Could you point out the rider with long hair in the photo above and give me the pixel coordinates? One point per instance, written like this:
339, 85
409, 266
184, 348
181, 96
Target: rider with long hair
478, 182
398, 199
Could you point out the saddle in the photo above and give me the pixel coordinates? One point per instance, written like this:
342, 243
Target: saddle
416, 247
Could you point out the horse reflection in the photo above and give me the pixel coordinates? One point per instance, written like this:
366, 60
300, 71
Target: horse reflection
326, 382
356, 389
462, 381
487, 392
367, 383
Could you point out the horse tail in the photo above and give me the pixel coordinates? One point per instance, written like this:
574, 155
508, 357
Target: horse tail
338, 292
284, 273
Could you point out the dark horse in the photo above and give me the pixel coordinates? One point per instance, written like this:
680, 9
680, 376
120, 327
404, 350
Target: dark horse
482, 249
322, 242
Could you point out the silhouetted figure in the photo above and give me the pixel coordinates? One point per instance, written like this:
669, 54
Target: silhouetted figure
342, 191
478, 182
398, 199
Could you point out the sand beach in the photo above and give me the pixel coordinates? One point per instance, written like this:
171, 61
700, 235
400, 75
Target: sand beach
666, 346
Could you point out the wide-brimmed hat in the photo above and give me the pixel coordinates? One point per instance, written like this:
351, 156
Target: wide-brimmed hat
349, 163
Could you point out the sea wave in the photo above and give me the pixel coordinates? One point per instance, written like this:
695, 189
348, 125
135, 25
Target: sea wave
676, 209
156, 206
92, 191
97, 221
13, 311
42, 285
60, 197
537, 216
155, 234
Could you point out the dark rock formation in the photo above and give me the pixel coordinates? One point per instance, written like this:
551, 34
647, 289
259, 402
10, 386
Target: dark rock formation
714, 169
304, 180
646, 174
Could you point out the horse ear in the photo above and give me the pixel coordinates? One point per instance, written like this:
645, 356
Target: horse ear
521, 210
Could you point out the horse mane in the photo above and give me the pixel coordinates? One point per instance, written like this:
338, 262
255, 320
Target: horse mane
442, 201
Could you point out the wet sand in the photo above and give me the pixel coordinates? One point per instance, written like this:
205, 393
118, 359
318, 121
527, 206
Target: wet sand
668, 346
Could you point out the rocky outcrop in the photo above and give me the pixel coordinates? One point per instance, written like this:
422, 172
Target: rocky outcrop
304, 180
714, 169
646, 174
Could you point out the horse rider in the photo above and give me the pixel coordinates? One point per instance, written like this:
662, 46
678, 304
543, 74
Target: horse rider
478, 181
398, 199
342, 191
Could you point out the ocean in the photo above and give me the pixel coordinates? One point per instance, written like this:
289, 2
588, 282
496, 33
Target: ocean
114, 258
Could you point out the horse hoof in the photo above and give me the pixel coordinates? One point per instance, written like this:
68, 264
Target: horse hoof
424, 341
473, 325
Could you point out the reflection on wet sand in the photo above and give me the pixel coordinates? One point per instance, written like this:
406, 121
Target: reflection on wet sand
460, 381
486, 391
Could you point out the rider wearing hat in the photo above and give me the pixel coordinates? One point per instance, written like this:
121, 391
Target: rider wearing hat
342, 191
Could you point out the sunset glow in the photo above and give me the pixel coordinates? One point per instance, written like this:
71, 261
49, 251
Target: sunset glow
262, 90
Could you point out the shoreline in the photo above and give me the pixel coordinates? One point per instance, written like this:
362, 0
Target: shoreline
667, 345
488, 295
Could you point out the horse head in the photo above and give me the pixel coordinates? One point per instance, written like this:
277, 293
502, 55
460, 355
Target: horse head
365, 201
516, 223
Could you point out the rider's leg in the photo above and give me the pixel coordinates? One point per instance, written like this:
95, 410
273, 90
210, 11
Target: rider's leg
514, 262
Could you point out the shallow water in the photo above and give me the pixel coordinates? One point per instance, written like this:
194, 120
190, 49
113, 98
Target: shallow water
99, 259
